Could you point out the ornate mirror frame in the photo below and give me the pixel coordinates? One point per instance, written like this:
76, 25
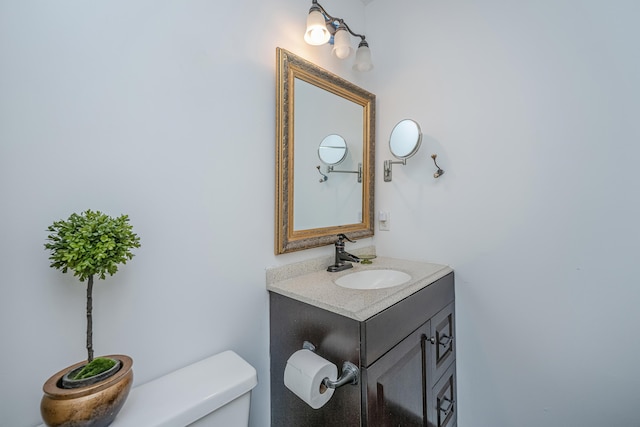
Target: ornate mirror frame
289, 68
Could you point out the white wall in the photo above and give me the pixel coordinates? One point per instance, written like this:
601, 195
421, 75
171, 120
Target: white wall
141, 108
163, 110
532, 108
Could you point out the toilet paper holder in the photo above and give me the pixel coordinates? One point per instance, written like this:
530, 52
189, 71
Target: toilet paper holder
350, 372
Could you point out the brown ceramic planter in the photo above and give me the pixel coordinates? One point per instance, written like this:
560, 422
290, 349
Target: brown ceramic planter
95, 405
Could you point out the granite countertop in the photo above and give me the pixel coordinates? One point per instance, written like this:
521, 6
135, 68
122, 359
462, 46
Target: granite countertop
309, 282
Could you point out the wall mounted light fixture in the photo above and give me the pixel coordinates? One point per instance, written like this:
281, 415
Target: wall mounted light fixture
321, 27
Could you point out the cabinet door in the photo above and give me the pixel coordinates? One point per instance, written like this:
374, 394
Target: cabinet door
397, 384
443, 349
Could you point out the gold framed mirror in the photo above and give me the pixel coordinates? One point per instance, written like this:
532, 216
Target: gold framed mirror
312, 103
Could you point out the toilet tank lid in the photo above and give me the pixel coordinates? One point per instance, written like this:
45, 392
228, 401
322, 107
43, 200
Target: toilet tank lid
189, 393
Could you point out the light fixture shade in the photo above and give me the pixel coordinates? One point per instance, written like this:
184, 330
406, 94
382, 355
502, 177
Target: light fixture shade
363, 58
341, 43
317, 32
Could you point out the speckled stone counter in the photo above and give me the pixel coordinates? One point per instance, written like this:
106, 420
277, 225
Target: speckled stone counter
310, 283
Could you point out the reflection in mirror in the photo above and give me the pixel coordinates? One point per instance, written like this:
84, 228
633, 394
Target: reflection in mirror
318, 113
312, 103
404, 142
332, 150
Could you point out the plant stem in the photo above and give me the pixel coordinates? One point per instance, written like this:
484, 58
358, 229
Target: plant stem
89, 319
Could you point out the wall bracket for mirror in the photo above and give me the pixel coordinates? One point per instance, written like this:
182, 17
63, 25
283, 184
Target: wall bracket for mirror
404, 142
439, 172
387, 168
330, 169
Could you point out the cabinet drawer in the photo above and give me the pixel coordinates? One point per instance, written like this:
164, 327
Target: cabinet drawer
384, 330
442, 338
443, 404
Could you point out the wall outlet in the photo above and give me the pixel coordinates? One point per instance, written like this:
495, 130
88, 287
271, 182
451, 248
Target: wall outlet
384, 221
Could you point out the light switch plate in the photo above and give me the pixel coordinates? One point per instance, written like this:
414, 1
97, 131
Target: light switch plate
384, 221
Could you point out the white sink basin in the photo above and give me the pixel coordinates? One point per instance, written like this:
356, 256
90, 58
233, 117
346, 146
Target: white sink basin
373, 279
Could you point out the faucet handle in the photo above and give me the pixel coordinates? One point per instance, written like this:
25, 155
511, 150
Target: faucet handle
342, 237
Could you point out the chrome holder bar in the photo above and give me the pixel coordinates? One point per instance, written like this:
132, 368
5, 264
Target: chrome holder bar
350, 372
350, 375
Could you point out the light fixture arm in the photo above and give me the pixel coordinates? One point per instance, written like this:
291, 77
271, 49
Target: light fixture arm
322, 26
341, 21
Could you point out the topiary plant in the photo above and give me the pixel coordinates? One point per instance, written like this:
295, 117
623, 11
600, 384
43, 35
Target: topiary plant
91, 244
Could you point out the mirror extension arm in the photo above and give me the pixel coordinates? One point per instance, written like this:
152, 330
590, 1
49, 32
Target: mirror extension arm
330, 169
387, 168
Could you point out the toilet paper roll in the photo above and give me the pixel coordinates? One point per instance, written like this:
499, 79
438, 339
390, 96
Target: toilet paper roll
303, 375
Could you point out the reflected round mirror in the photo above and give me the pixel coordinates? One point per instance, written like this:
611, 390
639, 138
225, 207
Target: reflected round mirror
405, 139
332, 150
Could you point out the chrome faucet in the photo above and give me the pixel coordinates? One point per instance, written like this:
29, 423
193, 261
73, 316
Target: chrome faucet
342, 257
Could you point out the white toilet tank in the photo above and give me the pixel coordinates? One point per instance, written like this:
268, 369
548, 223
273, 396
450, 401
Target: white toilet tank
212, 392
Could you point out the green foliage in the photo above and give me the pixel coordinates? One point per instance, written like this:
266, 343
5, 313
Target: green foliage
91, 243
95, 367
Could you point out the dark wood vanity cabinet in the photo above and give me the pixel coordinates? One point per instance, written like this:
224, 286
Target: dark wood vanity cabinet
406, 356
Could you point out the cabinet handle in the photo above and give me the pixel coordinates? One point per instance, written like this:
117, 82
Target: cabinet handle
445, 340
448, 408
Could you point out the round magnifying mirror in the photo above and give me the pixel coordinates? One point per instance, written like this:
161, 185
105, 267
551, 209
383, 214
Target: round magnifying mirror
405, 139
332, 150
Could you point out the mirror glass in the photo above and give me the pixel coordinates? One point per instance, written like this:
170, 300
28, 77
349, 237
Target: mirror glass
317, 114
405, 139
332, 150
